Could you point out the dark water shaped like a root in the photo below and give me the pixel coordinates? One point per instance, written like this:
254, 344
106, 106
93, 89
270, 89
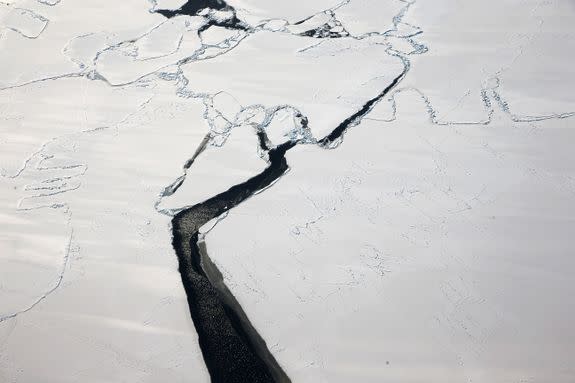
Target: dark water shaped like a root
233, 350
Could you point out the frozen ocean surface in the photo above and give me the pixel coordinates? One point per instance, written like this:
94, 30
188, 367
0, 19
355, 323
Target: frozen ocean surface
305, 191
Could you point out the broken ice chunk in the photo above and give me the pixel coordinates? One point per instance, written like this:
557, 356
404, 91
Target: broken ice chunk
216, 170
227, 105
323, 25
275, 25
26, 22
287, 124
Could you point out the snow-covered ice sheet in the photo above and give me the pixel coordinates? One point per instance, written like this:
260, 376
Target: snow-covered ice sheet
312, 191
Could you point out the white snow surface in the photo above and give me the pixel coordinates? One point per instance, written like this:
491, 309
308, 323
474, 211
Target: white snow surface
433, 243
